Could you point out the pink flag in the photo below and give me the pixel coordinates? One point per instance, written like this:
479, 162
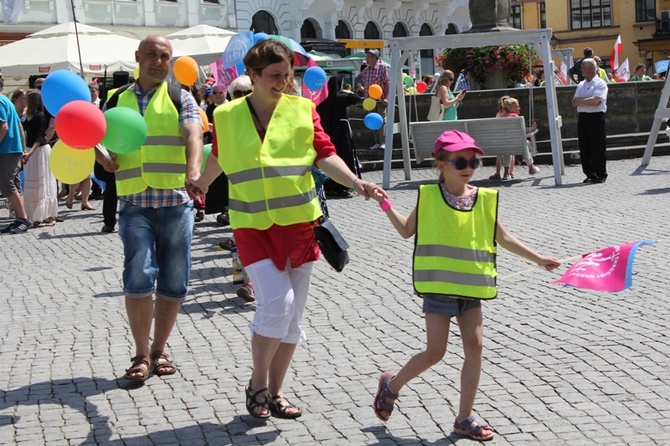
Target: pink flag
225, 76
614, 57
317, 96
609, 269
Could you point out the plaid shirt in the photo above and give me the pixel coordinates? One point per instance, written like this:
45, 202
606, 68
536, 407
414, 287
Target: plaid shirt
158, 198
376, 74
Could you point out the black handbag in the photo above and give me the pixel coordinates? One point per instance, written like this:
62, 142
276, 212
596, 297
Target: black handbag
332, 244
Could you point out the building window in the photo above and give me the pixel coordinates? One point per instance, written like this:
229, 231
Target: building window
307, 31
645, 10
263, 22
399, 30
216, 2
342, 31
587, 14
515, 16
426, 30
371, 31
543, 15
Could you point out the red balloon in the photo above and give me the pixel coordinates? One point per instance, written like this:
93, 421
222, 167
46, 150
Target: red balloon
421, 87
80, 124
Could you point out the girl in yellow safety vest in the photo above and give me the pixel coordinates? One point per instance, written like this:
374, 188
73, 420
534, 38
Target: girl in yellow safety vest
456, 229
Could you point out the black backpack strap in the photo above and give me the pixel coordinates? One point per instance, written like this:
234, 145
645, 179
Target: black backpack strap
175, 95
112, 101
173, 90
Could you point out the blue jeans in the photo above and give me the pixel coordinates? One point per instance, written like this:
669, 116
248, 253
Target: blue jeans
157, 250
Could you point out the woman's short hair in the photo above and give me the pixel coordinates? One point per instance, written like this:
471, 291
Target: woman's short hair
267, 52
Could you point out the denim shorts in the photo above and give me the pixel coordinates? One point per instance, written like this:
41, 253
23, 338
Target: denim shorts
157, 249
448, 306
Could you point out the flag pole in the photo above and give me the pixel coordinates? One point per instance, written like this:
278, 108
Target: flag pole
76, 33
569, 259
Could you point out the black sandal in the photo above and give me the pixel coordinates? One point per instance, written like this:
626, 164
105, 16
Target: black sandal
279, 405
254, 403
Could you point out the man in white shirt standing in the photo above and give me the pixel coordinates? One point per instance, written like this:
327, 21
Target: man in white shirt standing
591, 102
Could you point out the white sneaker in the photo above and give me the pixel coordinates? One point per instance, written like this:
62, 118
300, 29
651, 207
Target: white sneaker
375, 147
533, 169
382, 147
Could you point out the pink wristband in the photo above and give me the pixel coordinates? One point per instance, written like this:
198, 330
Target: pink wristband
386, 205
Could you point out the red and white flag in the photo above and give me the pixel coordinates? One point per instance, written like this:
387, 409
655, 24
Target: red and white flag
614, 57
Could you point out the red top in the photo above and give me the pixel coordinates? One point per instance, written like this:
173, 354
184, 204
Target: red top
281, 244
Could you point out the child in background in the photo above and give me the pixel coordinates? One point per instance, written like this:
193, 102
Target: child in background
457, 227
508, 107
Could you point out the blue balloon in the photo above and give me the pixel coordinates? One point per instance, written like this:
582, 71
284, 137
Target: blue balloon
259, 37
314, 78
61, 87
373, 121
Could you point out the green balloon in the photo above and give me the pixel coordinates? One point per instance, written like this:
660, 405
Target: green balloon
408, 81
126, 130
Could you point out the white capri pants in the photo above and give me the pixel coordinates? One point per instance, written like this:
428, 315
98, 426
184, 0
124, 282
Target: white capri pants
281, 297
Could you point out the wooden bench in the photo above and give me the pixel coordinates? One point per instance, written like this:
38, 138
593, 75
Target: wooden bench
496, 136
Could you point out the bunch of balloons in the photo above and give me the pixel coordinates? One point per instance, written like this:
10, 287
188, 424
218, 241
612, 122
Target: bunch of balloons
81, 126
373, 121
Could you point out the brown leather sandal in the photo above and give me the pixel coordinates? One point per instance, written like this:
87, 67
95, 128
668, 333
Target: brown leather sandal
160, 362
139, 370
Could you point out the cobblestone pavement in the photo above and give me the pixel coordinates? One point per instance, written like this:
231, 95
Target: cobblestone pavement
562, 366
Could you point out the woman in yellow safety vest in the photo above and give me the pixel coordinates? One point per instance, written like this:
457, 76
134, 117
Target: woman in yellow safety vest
266, 144
456, 227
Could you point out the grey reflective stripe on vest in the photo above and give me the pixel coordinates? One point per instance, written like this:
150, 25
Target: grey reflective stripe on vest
121, 175
270, 172
162, 140
272, 204
436, 275
164, 168
451, 252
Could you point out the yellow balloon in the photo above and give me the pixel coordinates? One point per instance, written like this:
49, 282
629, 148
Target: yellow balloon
71, 166
136, 72
369, 104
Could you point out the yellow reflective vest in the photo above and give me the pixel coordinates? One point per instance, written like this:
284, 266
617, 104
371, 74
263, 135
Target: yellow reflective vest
269, 182
454, 250
161, 161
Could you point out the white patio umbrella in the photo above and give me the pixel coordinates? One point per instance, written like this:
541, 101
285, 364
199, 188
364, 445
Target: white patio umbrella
204, 43
56, 48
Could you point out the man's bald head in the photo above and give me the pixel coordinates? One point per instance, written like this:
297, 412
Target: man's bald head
154, 55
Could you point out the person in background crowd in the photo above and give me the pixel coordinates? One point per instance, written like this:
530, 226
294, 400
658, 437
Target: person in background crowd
575, 72
40, 194
640, 73
335, 122
602, 74
590, 100
95, 93
359, 83
19, 101
12, 142
377, 73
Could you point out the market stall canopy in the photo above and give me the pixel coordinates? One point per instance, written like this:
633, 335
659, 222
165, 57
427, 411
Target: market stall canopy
360, 57
204, 43
333, 62
56, 48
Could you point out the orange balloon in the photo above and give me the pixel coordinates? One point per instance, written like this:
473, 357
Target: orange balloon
185, 69
205, 121
375, 91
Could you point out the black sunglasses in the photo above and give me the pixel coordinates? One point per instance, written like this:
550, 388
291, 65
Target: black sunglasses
240, 93
461, 163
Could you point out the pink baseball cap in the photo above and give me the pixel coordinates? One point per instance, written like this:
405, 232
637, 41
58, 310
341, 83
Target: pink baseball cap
454, 140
